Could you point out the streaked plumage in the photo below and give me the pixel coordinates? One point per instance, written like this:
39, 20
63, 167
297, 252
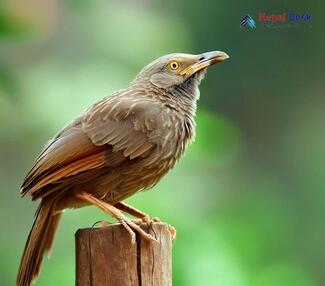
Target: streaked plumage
122, 144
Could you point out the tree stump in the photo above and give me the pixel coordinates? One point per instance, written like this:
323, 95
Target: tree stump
106, 257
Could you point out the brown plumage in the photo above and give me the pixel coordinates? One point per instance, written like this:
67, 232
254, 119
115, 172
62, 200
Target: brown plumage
122, 144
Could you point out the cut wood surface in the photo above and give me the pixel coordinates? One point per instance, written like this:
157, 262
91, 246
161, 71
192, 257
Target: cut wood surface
106, 257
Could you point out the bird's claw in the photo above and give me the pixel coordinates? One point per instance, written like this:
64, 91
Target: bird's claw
132, 226
146, 220
172, 231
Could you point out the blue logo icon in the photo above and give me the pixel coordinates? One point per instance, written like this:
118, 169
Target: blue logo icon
248, 21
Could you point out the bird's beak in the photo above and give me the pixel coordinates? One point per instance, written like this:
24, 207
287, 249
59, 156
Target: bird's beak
204, 60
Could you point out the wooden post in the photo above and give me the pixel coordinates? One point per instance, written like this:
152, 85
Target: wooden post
106, 257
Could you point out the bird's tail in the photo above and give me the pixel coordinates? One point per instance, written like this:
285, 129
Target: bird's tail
39, 241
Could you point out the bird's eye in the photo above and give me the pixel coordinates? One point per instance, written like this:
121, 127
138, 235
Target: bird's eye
173, 65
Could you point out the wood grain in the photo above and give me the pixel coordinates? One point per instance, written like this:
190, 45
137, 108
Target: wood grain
106, 257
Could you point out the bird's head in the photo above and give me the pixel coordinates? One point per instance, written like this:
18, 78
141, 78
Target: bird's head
180, 71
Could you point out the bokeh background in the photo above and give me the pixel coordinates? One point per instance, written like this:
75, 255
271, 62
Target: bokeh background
248, 199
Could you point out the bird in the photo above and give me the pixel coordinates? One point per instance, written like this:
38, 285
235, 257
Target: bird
122, 144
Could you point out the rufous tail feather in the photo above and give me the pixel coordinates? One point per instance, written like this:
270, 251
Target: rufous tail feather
39, 241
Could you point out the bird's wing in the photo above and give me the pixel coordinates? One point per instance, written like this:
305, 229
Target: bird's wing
109, 133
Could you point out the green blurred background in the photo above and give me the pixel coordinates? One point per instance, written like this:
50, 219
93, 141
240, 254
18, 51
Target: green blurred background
248, 198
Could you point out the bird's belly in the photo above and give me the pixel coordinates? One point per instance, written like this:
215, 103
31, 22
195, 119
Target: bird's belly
120, 184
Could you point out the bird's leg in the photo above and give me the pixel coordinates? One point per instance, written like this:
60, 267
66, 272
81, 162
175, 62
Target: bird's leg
144, 218
131, 210
116, 213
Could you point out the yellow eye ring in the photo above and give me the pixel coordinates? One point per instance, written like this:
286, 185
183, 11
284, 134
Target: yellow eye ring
173, 65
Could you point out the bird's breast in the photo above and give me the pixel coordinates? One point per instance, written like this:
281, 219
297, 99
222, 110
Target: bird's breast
171, 138
171, 133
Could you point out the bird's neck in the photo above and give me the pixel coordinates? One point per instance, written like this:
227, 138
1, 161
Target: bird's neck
182, 99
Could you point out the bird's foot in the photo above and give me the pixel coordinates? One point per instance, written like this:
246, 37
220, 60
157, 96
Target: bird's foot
117, 214
147, 220
172, 231
132, 226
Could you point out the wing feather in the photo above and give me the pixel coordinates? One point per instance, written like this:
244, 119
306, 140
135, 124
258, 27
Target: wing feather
95, 140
